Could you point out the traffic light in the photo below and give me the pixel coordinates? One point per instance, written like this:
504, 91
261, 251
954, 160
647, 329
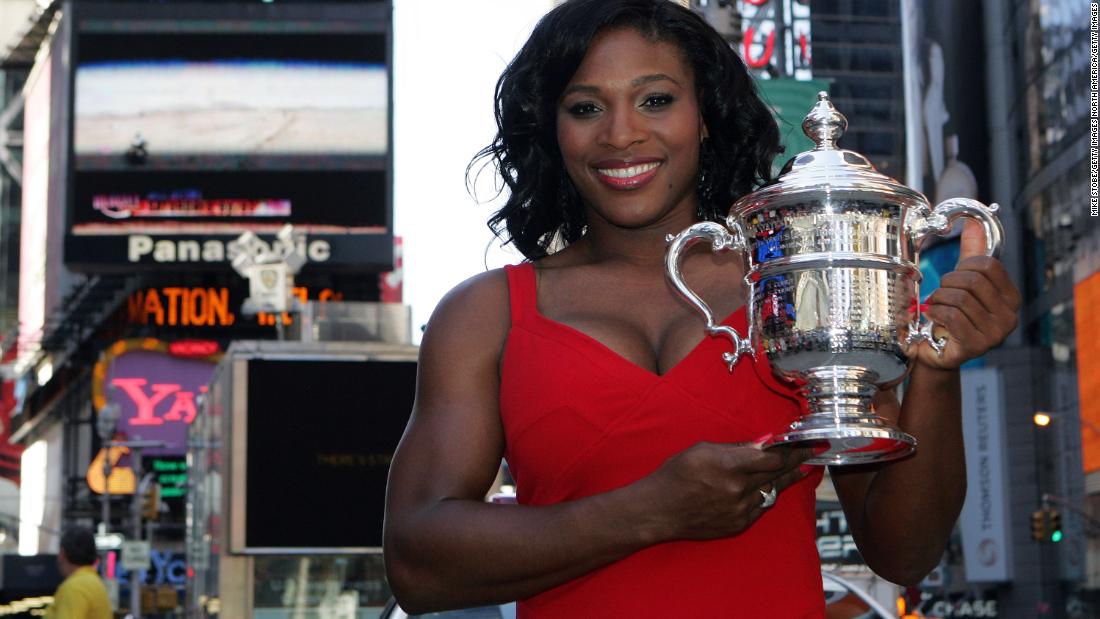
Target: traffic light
1039, 525
1054, 525
150, 503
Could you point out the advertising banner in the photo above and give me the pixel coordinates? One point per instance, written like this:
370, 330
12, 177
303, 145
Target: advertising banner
775, 37
33, 219
961, 604
945, 115
157, 391
1086, 294
945, 109
835, 544
985, 522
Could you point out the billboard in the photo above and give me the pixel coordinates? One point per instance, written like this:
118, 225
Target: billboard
775, 36
33, 241
1086, 294
157, 387
945, 114
193, 123
985, 521
945, 100
308, 427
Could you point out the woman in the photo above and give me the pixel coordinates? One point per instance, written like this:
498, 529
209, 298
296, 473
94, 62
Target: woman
641, 485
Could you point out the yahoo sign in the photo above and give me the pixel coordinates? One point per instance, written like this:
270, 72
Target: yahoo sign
157, 391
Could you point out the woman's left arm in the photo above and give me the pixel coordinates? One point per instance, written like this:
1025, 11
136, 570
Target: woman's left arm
901, 513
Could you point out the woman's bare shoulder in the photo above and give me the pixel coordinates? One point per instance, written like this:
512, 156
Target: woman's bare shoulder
473, 312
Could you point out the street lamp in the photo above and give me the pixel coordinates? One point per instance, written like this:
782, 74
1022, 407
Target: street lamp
1044, 419
108, 421
105, 426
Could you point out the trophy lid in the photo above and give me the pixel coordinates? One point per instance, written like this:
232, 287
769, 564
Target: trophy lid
827, 170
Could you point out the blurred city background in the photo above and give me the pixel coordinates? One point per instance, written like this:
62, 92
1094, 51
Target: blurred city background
219, 394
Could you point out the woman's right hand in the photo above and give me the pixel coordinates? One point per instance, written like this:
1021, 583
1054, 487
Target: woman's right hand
714, 490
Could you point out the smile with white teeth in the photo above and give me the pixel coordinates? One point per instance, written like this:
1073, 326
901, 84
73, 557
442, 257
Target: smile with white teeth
633, 170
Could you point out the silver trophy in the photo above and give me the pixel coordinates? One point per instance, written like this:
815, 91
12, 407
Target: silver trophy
831, 254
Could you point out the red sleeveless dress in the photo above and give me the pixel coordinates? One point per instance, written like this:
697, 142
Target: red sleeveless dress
580, 419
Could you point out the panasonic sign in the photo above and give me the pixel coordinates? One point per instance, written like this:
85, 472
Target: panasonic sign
143, 248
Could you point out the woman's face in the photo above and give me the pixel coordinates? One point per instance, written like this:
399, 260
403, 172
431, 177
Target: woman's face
629, 130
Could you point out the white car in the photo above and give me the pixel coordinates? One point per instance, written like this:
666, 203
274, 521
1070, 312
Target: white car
502, 611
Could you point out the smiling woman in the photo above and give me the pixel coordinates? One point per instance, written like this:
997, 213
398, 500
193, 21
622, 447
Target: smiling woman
642, 489
619, 122
619, 136
544, 87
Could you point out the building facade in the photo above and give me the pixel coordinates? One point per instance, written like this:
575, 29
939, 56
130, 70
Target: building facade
129, 203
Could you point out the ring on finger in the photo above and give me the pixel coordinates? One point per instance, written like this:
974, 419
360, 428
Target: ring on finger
769, 497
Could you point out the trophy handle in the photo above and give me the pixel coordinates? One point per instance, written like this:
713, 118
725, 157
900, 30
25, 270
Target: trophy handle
939, 222
721, 240
947, 212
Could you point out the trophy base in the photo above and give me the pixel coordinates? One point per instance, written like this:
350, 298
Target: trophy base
841, 426
863, 443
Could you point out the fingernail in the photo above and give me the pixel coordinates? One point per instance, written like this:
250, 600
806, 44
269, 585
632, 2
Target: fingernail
763, 438
806, 469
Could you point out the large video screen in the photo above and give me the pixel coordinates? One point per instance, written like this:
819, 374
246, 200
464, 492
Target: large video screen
317, 431
232, 94
198, 122
240, 107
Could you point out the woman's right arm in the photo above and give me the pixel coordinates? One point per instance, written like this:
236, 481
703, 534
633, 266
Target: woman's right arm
447, 548
444, 546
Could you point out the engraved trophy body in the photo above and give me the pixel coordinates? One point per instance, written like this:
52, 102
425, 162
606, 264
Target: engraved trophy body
831, 254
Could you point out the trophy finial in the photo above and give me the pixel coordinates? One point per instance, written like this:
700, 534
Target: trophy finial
824, 124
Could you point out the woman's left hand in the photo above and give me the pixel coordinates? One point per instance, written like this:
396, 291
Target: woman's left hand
976, 305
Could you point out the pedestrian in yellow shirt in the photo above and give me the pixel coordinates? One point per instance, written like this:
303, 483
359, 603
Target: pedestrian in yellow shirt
82, 594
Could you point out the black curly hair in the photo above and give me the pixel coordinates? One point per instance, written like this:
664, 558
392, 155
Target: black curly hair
542, 203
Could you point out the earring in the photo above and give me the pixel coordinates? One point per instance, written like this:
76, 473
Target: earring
701, 191
705, 209
572, 218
